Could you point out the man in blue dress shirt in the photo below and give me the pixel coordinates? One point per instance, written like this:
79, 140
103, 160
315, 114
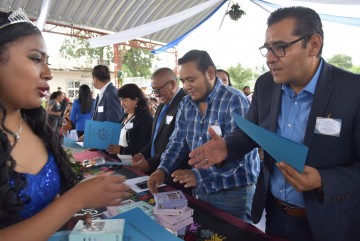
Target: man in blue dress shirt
309, 101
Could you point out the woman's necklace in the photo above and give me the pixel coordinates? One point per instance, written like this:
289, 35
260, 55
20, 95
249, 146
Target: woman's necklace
17, 134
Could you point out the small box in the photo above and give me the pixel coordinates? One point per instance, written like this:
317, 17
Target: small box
176, 226
172, 199
112, 211
170, 211
104, 230
172, 219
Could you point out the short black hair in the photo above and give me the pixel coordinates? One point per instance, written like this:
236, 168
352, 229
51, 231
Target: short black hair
101, 72
307, 21
200, 57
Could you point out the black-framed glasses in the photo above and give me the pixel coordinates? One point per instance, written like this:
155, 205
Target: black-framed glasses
279, 49
157, 91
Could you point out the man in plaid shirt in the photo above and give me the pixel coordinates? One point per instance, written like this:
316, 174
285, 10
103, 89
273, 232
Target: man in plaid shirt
208, 104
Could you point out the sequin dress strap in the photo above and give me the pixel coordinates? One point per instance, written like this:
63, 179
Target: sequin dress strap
41, 188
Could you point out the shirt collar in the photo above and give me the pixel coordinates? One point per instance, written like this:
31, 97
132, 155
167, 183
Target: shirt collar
102, 90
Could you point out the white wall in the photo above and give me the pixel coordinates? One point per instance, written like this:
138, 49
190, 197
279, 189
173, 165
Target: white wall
70, 80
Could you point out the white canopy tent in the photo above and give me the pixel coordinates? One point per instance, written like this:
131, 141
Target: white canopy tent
176, 22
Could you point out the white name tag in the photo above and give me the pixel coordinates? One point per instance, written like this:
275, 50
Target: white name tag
129, 126
328, 126
100, 109
168, 119
217, 130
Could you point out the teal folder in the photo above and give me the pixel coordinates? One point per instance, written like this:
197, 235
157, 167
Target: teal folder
280, 148
100, 134
71, 143
140, 227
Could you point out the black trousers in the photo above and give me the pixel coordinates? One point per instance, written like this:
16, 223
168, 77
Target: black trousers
280, 224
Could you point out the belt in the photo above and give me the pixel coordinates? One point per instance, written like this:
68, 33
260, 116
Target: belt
291, 210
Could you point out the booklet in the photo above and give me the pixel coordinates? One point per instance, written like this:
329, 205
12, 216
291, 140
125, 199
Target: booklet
100, 134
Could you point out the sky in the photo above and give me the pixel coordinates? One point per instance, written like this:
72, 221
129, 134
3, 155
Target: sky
238, 42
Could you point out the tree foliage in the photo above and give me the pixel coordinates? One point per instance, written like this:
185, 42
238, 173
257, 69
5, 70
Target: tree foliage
341, 60
355, 69
241, 76
80, 49
138, 62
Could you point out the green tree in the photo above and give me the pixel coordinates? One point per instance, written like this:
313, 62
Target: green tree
241, 76
80, 49
138, 62
355, 69
341, 60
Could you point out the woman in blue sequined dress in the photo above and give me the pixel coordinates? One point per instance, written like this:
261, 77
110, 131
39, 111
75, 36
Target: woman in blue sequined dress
39, 192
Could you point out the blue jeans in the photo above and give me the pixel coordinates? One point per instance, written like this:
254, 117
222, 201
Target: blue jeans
236, 201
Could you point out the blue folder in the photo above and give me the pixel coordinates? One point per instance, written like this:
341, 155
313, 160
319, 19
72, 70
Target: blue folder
100, 134
140, 227
280, 148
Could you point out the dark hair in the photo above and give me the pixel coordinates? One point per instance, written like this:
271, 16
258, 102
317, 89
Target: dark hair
227, 74
102, 73
10, 202
132, 91
246, 86
307, 21
55, 94
85, 99
201, 58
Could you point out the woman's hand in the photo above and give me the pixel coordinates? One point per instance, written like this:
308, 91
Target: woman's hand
139, 162
102, 190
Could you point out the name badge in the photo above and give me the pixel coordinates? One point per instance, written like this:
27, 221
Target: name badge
168, 119
100, 109
217, 130
129, 126
328, 126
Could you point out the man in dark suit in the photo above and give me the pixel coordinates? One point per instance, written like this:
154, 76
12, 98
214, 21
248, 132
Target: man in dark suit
166, 88
107, 106
304, 99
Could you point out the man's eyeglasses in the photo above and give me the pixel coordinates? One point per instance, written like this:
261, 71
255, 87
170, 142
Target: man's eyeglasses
157, 91
279, 49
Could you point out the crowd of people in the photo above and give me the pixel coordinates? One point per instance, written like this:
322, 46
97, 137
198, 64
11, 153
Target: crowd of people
184, 134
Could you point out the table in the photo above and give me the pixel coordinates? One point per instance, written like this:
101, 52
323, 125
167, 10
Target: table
210, 223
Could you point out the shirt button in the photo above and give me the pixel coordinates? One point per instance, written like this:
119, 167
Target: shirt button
200, 138
289, 125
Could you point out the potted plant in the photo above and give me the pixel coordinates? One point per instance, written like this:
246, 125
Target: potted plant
235, 12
